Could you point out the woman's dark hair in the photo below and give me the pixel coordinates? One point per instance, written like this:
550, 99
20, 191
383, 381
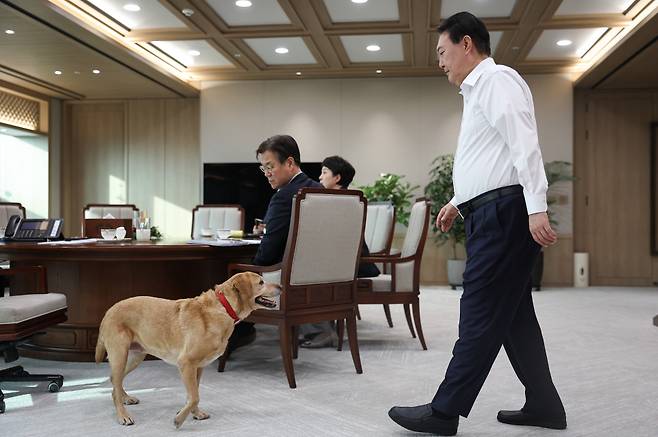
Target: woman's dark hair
340, 166
283, 146
464, 23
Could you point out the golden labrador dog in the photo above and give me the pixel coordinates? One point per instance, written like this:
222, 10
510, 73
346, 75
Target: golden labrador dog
188, 333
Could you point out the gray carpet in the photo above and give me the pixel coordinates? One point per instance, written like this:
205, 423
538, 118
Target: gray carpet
601, 344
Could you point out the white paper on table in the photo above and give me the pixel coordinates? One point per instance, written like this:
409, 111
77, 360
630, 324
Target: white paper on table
71, 242
224, 243
108, 216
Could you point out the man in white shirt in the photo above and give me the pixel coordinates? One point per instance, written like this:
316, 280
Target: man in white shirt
500, 190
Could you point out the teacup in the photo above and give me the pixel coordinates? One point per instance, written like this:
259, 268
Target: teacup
206, 232
108, 234
121, 233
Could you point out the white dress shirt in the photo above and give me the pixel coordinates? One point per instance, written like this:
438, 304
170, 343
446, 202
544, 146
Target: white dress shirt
498, 143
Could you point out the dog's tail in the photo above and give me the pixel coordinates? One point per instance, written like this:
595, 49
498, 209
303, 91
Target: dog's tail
100, 346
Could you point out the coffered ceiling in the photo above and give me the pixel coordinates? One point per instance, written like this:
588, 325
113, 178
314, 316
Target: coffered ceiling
190, 41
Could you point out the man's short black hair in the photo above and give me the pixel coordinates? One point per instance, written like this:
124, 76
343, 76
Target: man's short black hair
464, 23
340, 166
283, 146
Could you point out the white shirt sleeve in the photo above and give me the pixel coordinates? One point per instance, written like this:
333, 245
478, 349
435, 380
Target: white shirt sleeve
508, 108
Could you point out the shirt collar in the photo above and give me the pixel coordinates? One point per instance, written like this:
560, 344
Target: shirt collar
291, 179
475, 74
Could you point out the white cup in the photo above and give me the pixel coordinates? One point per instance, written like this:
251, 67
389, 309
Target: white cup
108, 234
206, 232
2, 232
121, 233
143, 234
223, 234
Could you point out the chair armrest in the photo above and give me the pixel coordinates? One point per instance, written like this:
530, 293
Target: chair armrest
40, 271
237, 267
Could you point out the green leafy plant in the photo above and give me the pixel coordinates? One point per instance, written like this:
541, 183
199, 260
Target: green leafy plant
440, 190
556, 171
155, 233
391, 187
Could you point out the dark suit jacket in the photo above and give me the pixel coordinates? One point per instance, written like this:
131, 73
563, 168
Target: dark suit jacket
277, 219
367, 270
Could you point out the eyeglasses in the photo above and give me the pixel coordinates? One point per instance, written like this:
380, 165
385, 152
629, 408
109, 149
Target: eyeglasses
267, 169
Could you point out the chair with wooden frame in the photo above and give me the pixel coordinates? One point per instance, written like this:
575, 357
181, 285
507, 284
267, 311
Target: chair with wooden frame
402, 286
380, 226
318, 271
118, 211
23, 316
216, 217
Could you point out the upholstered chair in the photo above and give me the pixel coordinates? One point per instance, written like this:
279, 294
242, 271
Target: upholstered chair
401, 286
22, 316
216, 217
318, 271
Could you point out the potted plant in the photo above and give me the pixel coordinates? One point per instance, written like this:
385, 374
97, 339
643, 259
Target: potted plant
391, 187
556, 171
440, 190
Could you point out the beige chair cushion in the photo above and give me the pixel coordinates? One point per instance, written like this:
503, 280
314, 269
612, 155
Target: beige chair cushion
216, 217
328, 239
378, 225
381, 283
272, 277
7, 211
118, 212
415, 229
16, 309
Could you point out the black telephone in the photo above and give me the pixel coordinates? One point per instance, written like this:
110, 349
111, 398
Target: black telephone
19, 229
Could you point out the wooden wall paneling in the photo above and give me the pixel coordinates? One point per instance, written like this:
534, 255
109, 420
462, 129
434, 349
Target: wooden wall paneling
558, 263
654, 260
146, 156
182, 166
93, 158
620, 252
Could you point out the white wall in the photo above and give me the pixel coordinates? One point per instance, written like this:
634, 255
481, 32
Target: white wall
380, 125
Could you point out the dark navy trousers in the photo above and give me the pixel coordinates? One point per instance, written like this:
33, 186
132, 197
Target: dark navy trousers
496, 310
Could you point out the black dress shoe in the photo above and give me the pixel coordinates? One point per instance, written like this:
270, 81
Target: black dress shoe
520, 417
423, 419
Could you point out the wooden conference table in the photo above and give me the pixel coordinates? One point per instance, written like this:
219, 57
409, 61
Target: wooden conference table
94, 276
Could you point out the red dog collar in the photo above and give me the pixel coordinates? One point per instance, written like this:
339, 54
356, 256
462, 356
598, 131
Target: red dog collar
227, 306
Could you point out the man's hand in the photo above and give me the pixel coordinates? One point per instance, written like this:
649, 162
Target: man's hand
446, 217
541, 230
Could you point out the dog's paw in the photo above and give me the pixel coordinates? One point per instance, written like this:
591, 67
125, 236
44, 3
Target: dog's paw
179, 419
129, 400
200, 415
126, 420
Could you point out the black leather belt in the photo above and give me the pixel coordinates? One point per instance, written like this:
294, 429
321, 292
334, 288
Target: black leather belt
468, 207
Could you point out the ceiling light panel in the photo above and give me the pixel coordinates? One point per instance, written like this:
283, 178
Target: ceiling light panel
193, 53
265, 48
391, 48
582, 40
479, 8
152, 15
589, 7
261, 12
345, 11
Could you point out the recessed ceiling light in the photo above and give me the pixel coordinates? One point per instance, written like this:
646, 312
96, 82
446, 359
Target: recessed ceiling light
237, 55
373, 48
299, 73
57, 72
96, 71
281, 50
188, 12
194, 53
9, 32
76, 72
358, 2
243, 3
132, 7
564, 42
378, 71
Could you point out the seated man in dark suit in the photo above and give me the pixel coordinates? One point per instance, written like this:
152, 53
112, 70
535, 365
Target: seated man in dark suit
337, 174
279, 161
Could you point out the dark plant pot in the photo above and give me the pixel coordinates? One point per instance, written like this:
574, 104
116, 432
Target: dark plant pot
538, 271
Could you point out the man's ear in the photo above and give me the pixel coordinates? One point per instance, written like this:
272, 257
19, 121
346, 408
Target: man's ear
467, 41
